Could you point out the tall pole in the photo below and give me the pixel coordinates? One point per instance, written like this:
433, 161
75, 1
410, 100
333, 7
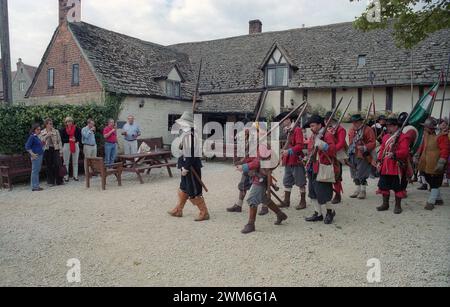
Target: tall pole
445, 80
6, 53
412, 80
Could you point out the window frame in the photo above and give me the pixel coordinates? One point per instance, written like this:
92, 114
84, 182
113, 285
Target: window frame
277, 67
175, 89
362, 58
22, 85
77, 83
51, 78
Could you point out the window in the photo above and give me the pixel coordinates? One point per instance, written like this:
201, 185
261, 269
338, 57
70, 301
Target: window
172, 119
75, 74
277, 70
173, 88
362, 60
51, 78
360, 99
22, 86
389, 98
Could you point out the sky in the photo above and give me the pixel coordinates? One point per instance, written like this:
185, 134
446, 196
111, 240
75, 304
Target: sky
32, 22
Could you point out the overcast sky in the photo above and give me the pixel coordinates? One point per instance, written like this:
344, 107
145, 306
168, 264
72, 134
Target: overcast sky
32, 22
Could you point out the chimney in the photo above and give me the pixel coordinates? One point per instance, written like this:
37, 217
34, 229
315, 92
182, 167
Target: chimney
255, 26
69, 10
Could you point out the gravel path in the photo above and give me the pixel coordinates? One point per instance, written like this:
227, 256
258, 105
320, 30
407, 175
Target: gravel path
124, 237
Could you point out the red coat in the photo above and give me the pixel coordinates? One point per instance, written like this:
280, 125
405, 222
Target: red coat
295, 148
389, 166
368, 140
324, 157
340, 138
254, 164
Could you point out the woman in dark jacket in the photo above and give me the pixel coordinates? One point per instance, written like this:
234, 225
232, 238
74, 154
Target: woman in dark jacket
71, 139
51, 139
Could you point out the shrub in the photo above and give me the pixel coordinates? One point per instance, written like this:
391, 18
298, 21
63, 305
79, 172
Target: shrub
16, 121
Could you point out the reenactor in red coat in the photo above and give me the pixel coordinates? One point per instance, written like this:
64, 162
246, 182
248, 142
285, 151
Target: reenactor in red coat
340, 138
392, 165
434, 154
294, 170
362, 145
259, 192
322, 151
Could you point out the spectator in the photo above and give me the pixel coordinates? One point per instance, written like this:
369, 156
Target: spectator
71, 138
35, 148
131, 132
51, 139
89, 142
110, 135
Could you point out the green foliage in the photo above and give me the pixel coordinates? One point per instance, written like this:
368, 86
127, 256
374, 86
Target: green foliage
413, 20
16, 121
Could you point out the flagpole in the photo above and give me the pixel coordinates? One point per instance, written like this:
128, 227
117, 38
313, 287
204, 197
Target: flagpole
445, 79
412, 79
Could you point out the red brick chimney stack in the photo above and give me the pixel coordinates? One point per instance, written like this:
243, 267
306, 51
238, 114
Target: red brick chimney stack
69, 10
255, 26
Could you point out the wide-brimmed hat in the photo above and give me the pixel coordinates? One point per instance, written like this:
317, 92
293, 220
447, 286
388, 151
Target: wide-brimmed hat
430, 123
403, 117
283, 115
356, 118
315, 119
186, 120
382, 117
328, 116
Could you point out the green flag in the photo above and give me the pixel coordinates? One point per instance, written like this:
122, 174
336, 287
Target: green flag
422, 111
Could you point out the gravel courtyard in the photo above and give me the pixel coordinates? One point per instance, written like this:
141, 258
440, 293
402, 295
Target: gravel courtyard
124, 237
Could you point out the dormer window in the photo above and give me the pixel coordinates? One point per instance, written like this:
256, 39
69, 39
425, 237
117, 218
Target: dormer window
277, 70
173, 84
173, 89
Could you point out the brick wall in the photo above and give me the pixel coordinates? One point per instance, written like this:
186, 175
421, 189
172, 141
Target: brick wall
63, 53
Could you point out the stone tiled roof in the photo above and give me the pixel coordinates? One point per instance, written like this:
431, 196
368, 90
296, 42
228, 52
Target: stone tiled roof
326, 57
128, 65
230, 103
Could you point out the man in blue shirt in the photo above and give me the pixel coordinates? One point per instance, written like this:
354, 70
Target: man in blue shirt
131, 132
89, 142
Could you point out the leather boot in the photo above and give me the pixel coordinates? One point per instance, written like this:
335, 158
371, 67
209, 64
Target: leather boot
200, 203
337, 199
329, 217
264, 211
398, 206
429, 207
182, 199
287, 200
439, 202
302, 204
250, 227
281, 216
363, 193
423, 187
385, 205
235, 209
315, 218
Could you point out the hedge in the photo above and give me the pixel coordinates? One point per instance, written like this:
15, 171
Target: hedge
16, 121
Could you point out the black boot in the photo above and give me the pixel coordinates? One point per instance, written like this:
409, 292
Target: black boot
423, 187
385, 205
235, 209
398, 206
264, 211
330, 217
315, 218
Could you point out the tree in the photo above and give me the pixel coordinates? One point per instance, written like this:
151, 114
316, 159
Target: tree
412, 20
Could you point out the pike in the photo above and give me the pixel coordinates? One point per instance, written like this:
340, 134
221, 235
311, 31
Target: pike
345, 112
194, 103
323, 131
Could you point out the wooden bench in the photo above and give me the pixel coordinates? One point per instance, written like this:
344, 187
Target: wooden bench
12, 167
96, 166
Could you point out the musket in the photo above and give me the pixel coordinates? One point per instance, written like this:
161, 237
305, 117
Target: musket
323, 131
304, 104
359, 134
299, 118
194, 103
345, 112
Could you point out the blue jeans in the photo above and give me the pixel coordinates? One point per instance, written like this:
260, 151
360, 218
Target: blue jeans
110, 153
36, 166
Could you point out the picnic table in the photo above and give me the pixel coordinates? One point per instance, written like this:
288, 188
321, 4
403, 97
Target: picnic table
145, 162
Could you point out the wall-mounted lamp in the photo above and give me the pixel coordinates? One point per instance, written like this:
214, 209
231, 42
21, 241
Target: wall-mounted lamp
142, 104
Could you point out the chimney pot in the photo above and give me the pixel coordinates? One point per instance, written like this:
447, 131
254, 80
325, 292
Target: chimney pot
255, 26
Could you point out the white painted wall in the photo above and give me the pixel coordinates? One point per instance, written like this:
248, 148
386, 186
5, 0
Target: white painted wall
153, 116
